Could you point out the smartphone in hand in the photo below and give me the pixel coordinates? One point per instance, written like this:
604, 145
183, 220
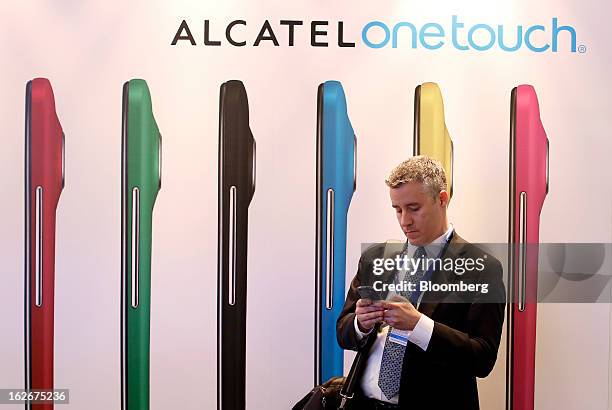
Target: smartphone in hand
368, 292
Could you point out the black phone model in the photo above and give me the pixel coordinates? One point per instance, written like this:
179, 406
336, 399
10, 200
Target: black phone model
236, 189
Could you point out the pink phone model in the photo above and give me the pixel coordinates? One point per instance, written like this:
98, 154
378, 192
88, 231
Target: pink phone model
528, 189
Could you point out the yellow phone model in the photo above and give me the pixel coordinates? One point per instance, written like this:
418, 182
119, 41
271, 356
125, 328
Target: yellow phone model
431, 136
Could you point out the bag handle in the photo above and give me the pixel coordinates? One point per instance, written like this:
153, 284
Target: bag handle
348, 388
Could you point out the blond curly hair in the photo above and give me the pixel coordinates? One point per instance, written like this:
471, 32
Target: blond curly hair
421, 169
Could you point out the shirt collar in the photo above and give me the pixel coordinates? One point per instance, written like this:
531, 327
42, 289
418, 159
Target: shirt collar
434, 248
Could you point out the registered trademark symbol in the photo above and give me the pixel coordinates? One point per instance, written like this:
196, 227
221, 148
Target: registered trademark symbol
582, 49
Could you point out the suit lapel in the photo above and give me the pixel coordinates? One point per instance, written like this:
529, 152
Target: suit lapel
392, 249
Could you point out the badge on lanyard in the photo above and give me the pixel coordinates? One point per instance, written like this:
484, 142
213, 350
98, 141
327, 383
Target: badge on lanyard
398, 336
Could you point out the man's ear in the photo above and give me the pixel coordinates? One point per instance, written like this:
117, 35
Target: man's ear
443, 198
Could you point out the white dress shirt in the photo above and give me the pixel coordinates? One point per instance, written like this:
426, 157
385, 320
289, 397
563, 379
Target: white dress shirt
420, 335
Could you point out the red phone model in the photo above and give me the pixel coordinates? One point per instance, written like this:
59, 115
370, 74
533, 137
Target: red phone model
44, 181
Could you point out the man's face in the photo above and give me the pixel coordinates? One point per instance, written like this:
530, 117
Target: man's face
421, 217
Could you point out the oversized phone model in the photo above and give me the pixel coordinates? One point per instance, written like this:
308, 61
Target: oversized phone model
336, 183
236, 189
528, 188
44, 181
140, 183
431, 136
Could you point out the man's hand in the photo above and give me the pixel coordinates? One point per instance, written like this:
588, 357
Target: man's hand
368, 314
401, 315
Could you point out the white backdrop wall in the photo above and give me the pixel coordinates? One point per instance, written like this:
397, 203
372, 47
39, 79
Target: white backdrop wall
88, 49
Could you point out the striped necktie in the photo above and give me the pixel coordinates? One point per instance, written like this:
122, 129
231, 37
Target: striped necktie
395, 344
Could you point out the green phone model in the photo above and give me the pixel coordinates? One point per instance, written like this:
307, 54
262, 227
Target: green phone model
140, 183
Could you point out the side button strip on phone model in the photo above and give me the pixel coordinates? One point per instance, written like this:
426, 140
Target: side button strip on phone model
522, 250
329, 251
135, 244
232, 246
39, 246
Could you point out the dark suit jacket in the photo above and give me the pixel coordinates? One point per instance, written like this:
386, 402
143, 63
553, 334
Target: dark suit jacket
465, 337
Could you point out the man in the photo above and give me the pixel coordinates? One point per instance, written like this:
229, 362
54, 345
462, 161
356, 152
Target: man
429, 346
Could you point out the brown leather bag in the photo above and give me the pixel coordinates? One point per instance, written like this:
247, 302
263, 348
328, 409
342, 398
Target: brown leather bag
325, 396
337, 392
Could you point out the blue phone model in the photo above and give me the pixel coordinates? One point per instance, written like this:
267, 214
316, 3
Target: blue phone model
336, 182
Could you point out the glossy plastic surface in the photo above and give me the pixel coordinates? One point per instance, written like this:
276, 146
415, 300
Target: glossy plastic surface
236, 189
431, 136
529, 180
336, 167
44, 173
141, 171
